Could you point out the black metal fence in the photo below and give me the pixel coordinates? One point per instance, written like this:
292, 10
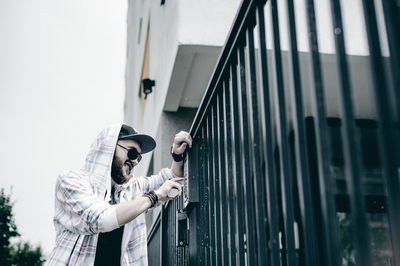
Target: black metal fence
280, 172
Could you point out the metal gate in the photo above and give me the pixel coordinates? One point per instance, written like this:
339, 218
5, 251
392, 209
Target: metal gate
273, 177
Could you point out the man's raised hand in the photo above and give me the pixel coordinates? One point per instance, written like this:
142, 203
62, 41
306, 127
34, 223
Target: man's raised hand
181, 141
168, 185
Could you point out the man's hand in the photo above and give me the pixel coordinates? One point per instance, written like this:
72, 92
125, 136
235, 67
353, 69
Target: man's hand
181, 141
163, 191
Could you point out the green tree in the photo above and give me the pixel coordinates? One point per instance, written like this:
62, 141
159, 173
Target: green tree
19, 254
23, 254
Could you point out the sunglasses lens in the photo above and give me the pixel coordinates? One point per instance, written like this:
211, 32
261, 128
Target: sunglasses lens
133, 154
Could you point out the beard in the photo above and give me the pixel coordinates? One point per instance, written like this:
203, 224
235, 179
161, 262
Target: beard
116, 171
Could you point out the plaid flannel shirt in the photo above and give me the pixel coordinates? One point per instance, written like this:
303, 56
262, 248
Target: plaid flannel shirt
82, 208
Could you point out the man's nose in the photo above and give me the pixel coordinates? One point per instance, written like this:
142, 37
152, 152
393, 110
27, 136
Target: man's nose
135, 162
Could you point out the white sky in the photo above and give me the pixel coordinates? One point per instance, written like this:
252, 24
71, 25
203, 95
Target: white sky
62, 67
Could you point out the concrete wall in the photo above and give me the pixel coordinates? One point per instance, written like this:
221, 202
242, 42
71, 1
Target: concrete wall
206, 22
170, 123
176, 23
162, 25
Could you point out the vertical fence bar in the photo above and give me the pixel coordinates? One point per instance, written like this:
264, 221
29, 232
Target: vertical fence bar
220, 206
230, 177
246, 159
167, 236
352, 161
271, 187
331, 251
222, 181
172, 214
195, 241
177, 254
171, 230
392, 21
182, 251
216, 177
162, 247
200, 243
204, 198
163, 235
170, 236
302, 172
387, 137
175, 249
173, 254
282, 136
211, 225
236, 166
258, 178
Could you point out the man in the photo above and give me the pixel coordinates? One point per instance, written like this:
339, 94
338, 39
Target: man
99, 210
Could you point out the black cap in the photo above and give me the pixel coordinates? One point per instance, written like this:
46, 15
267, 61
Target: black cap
146, 142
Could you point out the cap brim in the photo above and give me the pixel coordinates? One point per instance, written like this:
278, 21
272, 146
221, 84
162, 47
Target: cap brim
147, 143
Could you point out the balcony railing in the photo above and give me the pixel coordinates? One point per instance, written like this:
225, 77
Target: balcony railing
275, 177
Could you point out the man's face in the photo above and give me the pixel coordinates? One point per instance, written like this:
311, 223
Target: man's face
122, 166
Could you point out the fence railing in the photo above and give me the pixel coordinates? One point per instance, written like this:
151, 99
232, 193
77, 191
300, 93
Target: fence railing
275, 177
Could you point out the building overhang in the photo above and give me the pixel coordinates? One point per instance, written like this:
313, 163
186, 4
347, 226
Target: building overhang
193, 67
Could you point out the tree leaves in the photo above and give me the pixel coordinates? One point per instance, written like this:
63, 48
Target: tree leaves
22, 253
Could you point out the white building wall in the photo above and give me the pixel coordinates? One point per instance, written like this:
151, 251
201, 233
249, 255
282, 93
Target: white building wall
206, 22
163, 44
178, 22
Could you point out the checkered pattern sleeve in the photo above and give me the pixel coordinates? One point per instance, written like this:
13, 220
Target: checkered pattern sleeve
155, 181
79, 210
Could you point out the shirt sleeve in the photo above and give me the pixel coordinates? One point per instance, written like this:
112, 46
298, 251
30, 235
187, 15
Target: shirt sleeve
155, 181
79, 210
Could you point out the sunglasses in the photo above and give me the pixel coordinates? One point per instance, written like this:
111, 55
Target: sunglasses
133, 154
